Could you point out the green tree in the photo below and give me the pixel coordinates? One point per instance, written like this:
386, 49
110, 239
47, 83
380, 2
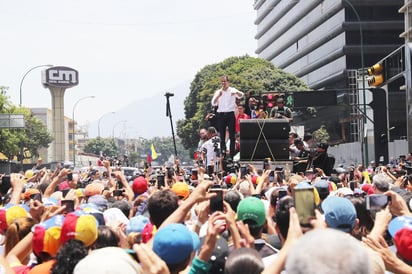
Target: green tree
30, 138
247, 74
97, 145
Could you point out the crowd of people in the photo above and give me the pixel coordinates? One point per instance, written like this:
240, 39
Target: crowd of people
246, 222
312, 218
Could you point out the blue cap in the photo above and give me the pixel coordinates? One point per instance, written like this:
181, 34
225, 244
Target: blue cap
174, 243
339, 213
136, 224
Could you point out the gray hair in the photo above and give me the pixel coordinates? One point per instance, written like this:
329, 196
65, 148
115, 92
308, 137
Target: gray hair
382, 182
324, 250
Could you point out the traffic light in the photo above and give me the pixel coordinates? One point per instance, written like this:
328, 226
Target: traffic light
270, 99
375, 73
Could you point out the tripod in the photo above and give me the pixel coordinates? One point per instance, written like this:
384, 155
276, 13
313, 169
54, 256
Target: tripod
169, 114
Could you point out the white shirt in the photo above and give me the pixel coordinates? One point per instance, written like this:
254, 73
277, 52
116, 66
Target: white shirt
226, 102
210, 150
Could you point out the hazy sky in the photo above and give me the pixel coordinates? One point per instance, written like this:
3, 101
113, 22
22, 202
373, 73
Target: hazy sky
124, 50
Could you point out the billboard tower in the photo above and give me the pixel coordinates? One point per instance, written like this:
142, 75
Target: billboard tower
57, 80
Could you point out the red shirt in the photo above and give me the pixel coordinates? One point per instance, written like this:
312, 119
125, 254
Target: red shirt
238, 117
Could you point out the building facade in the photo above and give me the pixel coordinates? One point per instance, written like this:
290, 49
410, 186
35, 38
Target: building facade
325, 43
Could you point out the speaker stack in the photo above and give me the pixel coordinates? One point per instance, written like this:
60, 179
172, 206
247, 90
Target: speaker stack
254, 147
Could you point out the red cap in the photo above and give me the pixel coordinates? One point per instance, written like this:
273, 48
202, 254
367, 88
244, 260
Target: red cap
139, 185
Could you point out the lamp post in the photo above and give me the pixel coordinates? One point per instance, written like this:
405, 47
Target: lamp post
74, 129
365, 156
98, 123
118, 123
24, 76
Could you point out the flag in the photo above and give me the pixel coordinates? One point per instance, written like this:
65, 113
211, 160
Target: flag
153, 151
152, 155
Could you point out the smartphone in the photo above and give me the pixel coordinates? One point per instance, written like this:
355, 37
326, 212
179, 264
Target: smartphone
305, 205
216, 203
243, 171
70, 176
195, 173
37, 197
376, 201
282, 193
69, 205
118, 192
5, 184
352, 185
160, 181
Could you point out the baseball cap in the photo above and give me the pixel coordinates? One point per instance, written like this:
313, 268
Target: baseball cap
219, 255
323, 145
181, 189
231, 178
400, 229
26, 195
252, 209
322, 187
139, 185
107, 260
46, 236
148, 232
339, 213
81, 226
100, 201
136, 224
10, 213
93, 188
174, 243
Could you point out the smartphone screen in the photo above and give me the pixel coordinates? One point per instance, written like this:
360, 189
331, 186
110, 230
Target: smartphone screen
5, 184
305, 205
160, 181
243, 171
37, 197
282, 193
216, 203
69, 205
376, 201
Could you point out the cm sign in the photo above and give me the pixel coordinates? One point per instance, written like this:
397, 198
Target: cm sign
62, 77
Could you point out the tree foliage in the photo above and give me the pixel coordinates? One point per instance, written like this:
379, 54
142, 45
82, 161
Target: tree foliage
30, 138
101, 145
247, 74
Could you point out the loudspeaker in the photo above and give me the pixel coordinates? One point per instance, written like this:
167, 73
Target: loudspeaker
279, 149
271, 128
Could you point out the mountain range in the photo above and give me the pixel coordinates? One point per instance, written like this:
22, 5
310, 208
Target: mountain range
145, 117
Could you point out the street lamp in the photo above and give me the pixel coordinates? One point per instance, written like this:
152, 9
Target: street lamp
74, 128
98, 124
118, 123
365, 156
24, 76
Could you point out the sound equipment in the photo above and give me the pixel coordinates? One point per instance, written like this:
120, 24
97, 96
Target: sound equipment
264, 138
271, 128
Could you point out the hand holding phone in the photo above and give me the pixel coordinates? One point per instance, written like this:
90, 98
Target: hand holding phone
69, 205
216, 203
377, 201
305, 205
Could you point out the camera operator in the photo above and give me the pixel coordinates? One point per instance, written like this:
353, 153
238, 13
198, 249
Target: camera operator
211, 151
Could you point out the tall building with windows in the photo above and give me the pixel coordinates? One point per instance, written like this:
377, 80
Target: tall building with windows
325, 42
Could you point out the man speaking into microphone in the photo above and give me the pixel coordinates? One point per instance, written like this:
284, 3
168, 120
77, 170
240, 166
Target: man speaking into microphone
225, 100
